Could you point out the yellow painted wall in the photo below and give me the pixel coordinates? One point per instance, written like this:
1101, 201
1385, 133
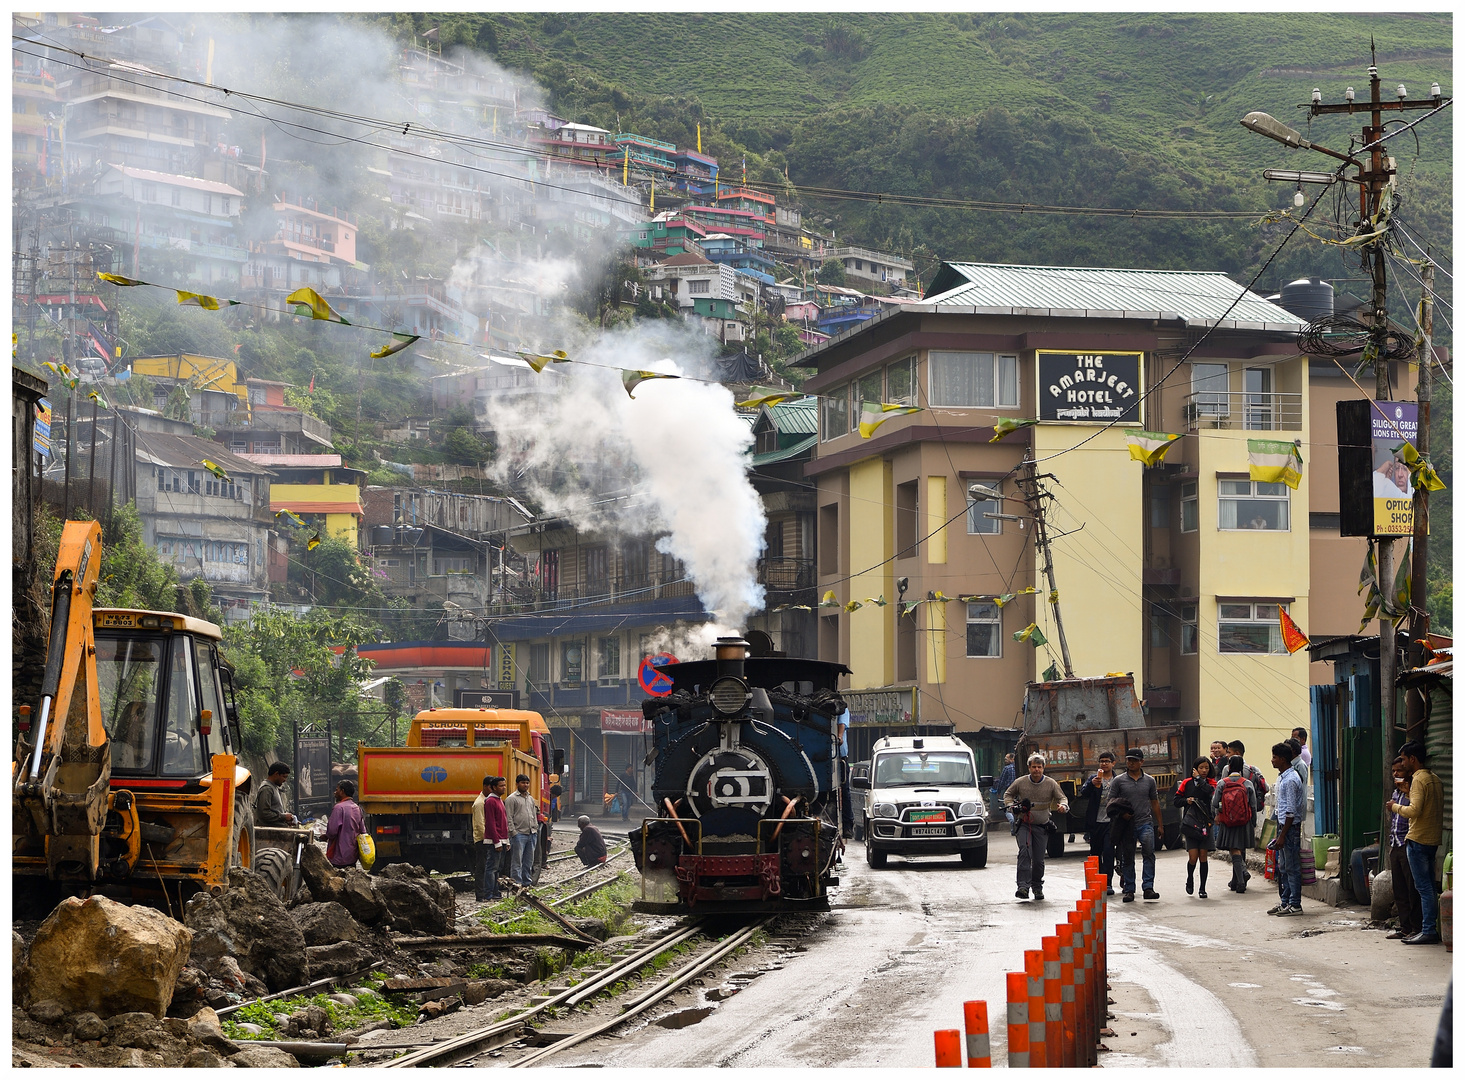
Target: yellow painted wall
1099, 569
211, 372
342, 526
1256, 698
335, 493
871, 543
936, 515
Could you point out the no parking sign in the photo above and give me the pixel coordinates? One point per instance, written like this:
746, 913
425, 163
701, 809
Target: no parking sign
654, 682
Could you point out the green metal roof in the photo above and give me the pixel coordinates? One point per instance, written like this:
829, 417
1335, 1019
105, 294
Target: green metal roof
799, 417
787, 453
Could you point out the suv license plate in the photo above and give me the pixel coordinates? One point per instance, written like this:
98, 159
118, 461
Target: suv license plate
929, 830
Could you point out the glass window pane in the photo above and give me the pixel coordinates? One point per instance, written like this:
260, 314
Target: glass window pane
1235, 487
900, 383
1188, 636
986, 384
1245, 638
1007, 381
961, 379
209, 693
986, 612
977, 520
1253, 514
572, 661
182, 747
836, 413
871, 387
1189, 515
1235, 611
127, 676
982, 639
1272, 489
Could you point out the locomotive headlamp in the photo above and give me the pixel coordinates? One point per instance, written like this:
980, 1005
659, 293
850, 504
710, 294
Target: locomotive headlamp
729, 696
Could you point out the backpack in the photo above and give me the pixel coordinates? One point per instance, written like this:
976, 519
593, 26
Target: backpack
1235, 806
1254, 775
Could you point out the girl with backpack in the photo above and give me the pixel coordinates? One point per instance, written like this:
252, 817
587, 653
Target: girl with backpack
1193, 797
1235, 804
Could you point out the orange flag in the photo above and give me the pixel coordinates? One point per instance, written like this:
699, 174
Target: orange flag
1292, 637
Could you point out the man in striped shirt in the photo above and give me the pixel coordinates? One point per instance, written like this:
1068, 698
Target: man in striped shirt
1290, 808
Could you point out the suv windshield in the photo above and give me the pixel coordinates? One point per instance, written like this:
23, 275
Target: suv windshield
922, 768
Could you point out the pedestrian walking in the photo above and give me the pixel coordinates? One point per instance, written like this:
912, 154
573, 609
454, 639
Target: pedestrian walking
343, 827
1096, 817
1234, 804
1137, 789
490, 836
1193, 797
523, 814
1426, 814
1032, 799
1406, 896
1290, 807
627, 791
1004, 779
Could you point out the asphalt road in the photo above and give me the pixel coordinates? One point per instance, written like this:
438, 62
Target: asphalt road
1210, 983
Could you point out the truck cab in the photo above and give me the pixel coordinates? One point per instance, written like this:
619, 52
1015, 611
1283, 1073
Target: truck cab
920, 797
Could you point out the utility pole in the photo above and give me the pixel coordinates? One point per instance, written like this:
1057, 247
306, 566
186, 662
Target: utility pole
1033, 494
1419, 590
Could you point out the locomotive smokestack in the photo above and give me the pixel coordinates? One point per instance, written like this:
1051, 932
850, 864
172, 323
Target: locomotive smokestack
731, 652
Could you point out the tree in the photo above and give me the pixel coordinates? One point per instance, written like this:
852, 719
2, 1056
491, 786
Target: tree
832, 273
132, 575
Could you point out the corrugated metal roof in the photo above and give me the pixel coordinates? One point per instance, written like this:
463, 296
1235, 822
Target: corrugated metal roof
799, 417
787, 453
1196, 297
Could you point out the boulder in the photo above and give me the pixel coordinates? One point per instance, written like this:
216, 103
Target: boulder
87, 1026
333, 961
204, 1027
346, 1001
47, 1011
309, 1022
1381, 896
136, 1029
249, 923
97, 955
204, 1059
411, 909
17, 964
263, 1057
439, 889
358, 894
323, 879
325, 924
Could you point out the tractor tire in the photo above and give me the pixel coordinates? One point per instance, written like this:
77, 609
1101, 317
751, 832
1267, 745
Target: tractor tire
976, 858
241, 842
274, 865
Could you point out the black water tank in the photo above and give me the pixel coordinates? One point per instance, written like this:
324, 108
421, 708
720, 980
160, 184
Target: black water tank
381, 535
1308, 298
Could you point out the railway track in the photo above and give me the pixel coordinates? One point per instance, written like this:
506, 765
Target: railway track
501, 1033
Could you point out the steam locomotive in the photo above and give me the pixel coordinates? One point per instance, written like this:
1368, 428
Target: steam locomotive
746, 785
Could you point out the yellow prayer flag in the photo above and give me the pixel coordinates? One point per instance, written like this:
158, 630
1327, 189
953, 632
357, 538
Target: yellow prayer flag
538, 361
632, 379
118, 279
765, 395
216, 470
313, 542
829, 600
875, 413
314, 305
398, 343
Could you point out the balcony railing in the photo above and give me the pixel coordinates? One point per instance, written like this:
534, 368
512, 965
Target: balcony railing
786, 575
1210, 410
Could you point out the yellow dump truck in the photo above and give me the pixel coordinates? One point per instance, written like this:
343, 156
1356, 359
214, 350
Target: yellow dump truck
418, 799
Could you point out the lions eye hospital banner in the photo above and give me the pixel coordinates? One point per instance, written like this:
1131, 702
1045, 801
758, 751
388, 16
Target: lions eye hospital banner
1376, 493
1088, 388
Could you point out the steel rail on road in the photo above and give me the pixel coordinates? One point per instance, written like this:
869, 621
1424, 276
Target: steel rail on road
566, 855
639, 1004
503, 1032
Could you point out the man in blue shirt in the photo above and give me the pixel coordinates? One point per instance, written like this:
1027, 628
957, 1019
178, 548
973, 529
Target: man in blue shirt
1004, 780
1290, 807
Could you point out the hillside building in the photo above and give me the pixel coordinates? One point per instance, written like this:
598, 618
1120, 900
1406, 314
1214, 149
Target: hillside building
1172, 573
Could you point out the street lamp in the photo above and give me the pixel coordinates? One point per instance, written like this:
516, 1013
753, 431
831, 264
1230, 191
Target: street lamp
1268, 125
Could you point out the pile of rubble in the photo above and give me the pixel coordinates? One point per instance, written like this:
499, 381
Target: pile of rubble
113, 984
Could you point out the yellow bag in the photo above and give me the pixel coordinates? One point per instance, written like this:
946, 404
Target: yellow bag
366, 851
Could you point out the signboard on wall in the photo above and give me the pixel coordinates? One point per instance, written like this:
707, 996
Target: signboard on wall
624, 721
869, 708
312, 771
485, 699
1089, 387
506, 669
41, 440
1376, 494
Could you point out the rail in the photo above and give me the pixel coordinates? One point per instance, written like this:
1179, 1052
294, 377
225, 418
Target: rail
1224, 410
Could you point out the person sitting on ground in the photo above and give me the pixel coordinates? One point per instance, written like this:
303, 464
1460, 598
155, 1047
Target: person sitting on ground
1234, 804
343, 827
1193, 796
591, 845
269, 801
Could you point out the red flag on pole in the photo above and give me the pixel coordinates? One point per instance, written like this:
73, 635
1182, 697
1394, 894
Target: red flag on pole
312, 384
1292, 637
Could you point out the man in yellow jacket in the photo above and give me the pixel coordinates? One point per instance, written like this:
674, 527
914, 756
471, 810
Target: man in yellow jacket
1426, 814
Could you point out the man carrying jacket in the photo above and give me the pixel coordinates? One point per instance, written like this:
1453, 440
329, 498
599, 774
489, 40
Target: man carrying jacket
1032, 800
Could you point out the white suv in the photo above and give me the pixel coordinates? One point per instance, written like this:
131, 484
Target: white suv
921, 798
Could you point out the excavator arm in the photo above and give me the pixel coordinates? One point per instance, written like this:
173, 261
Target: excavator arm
61, 778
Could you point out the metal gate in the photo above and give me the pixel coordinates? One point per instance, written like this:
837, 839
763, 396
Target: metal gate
1325, 765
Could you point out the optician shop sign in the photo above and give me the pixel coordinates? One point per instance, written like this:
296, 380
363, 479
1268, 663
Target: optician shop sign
1089, 387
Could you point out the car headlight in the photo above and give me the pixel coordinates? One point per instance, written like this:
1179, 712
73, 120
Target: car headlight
884, 809
729, 694
967, 809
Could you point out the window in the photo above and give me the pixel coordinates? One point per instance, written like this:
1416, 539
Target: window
454, 565
836, 413
572, 661
907, 518
699, 286
538, 664
900, 382
871, 388
1257, 401
608, 658
1210, 383
973, 380
597, 576
1249, 504
983, 630
634, 558
1160, 506
1189, 630
977, 521
1189, 507
1251, 627
1159, 627
773, 540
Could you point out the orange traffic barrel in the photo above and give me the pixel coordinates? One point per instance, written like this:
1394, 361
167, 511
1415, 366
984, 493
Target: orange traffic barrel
978, 1042
1017, 1020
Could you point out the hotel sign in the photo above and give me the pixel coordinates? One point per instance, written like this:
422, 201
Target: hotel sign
870, 708
1089, 387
